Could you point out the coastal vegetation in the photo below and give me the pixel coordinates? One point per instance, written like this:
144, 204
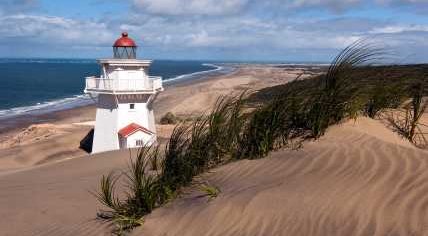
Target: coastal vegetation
406, 121
251, 125
169, 119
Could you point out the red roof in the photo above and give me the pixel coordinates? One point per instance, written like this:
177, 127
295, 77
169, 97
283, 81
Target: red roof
133, 128
124, 41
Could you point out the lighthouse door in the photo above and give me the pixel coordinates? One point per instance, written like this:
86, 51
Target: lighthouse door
123, 142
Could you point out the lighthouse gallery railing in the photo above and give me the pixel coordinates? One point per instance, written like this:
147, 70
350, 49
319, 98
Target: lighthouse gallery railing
94, 84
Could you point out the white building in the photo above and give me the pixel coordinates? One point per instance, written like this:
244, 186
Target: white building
125, 93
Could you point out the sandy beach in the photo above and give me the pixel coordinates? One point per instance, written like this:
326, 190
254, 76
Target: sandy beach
361, 178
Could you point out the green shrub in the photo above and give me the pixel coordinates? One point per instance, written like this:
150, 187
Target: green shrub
169, 119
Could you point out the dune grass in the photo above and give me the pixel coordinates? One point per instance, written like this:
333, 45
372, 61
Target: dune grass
307, 111
298, 110
337, 97
406, 121
204, 143
141, 192
192, 149
271, 127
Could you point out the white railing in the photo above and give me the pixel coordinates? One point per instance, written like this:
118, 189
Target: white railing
101, 85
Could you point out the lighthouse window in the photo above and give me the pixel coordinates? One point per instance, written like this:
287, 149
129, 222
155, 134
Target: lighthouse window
132, 106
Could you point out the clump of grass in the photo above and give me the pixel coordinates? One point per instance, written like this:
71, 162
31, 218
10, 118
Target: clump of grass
337, 94
211, 191
271, 127
141, 192
414, 111
381, 95
155, 162
409, 124
206, 142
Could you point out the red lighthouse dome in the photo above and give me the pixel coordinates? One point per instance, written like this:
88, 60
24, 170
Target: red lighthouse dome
125, 48
124, 41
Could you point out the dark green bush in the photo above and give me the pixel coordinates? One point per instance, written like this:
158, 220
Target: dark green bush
169, 119
382, 96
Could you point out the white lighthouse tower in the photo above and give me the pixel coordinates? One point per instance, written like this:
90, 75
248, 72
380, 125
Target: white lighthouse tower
125, 93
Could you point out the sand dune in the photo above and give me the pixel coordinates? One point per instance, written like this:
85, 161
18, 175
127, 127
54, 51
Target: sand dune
351, 182
41, 144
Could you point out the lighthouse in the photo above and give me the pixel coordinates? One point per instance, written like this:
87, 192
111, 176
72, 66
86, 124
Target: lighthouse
124, 94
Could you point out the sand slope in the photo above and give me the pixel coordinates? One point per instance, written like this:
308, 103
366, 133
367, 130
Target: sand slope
55, 199
359, 179
41, 144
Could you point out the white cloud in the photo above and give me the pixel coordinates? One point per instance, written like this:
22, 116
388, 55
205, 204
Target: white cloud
394, 29
53, 30
245, 36
189, 7
233, 7
202, 39
331, 4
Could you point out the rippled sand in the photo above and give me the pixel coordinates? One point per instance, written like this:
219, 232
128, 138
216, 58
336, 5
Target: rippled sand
360, 179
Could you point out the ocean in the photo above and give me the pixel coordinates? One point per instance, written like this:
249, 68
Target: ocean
31, 86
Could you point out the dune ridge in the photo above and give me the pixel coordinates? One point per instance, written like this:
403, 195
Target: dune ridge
350, 182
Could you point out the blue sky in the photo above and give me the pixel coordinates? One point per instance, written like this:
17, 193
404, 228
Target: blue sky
246, 30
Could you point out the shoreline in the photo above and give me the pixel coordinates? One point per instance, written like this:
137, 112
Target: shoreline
15, 122
83, 100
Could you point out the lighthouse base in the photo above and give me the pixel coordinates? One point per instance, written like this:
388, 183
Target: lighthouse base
123, 121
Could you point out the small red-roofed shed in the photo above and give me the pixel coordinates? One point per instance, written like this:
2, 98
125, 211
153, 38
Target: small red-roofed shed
133, 135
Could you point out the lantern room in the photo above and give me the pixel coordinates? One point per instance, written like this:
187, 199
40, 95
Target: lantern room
125, 48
